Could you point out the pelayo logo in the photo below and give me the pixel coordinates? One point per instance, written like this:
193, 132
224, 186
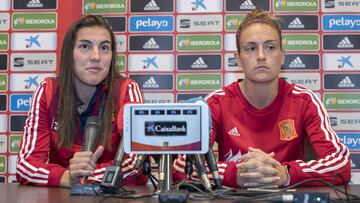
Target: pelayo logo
341, 22
104, 6
198, 81
199, 42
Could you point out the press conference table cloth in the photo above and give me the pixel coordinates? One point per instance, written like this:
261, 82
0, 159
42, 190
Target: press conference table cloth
13, 192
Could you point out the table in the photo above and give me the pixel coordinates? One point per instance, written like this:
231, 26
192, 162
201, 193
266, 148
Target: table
13, 192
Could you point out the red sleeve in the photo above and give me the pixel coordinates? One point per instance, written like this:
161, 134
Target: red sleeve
332, 155
129, 93
227, 171
33, 165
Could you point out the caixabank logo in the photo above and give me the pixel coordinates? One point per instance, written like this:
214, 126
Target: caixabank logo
342, 101
151, 62
200, 81
34, 21
151, 23
298, 22
296, 5
341, 42
151, 6
117, 23
151, 43
4, 42
34, 4
301, 42
4, 21
199, 23
342, 81
345, 120
20, 82
21, 41
187, 62
199, 6
154, 82
341, 22
205, 42
246, 5
301, 62
341, 61
104, 6
340, 5
4, 62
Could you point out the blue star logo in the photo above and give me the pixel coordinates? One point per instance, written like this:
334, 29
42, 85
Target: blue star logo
32, 40
197, 4
150, 129
150, 61
31, 81
345, 61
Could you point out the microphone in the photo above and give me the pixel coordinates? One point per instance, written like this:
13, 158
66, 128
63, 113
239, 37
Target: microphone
210, 159
140, 158
91, 134
200, 166
113, 174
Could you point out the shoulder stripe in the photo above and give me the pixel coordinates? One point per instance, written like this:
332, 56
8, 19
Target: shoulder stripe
216, 92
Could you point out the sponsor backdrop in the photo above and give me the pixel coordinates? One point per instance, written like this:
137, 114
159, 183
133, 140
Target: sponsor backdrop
178, 49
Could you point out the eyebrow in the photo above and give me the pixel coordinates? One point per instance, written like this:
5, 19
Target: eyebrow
88, 41
266, 42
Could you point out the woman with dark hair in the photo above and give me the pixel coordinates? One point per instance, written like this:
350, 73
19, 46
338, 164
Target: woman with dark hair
87, 85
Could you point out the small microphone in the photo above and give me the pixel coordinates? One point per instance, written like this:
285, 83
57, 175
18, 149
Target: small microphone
91, 134
210, 159
140, 158
161, 178
200, 166
113, 174
119, 153
188, 165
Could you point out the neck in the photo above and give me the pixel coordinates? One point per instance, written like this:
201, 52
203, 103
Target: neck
84, 92
260, 95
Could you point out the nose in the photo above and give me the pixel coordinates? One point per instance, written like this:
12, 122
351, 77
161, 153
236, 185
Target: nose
95, 54
261, 53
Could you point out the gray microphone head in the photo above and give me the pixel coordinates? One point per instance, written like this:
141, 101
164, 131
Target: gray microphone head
91, 132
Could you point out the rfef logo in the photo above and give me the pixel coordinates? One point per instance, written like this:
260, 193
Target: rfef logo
345, 101
20, 102
33, 41
296, 5
301, 42
341, 22
151, 6
4, 42
32, 21
104, 6
198, 81
151, 23
199, 42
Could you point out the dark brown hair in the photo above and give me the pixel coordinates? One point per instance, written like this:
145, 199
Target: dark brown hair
257, 16
67, 96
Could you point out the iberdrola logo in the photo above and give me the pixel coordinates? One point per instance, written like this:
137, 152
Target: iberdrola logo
90, 6
19, 21
280, 4
184, 43
184, 82
234, 23
331, 100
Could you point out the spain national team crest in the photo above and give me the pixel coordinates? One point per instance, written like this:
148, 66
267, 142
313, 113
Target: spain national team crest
287, 129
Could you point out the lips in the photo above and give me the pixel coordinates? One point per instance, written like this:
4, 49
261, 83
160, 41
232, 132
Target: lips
262, 67
94, 69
